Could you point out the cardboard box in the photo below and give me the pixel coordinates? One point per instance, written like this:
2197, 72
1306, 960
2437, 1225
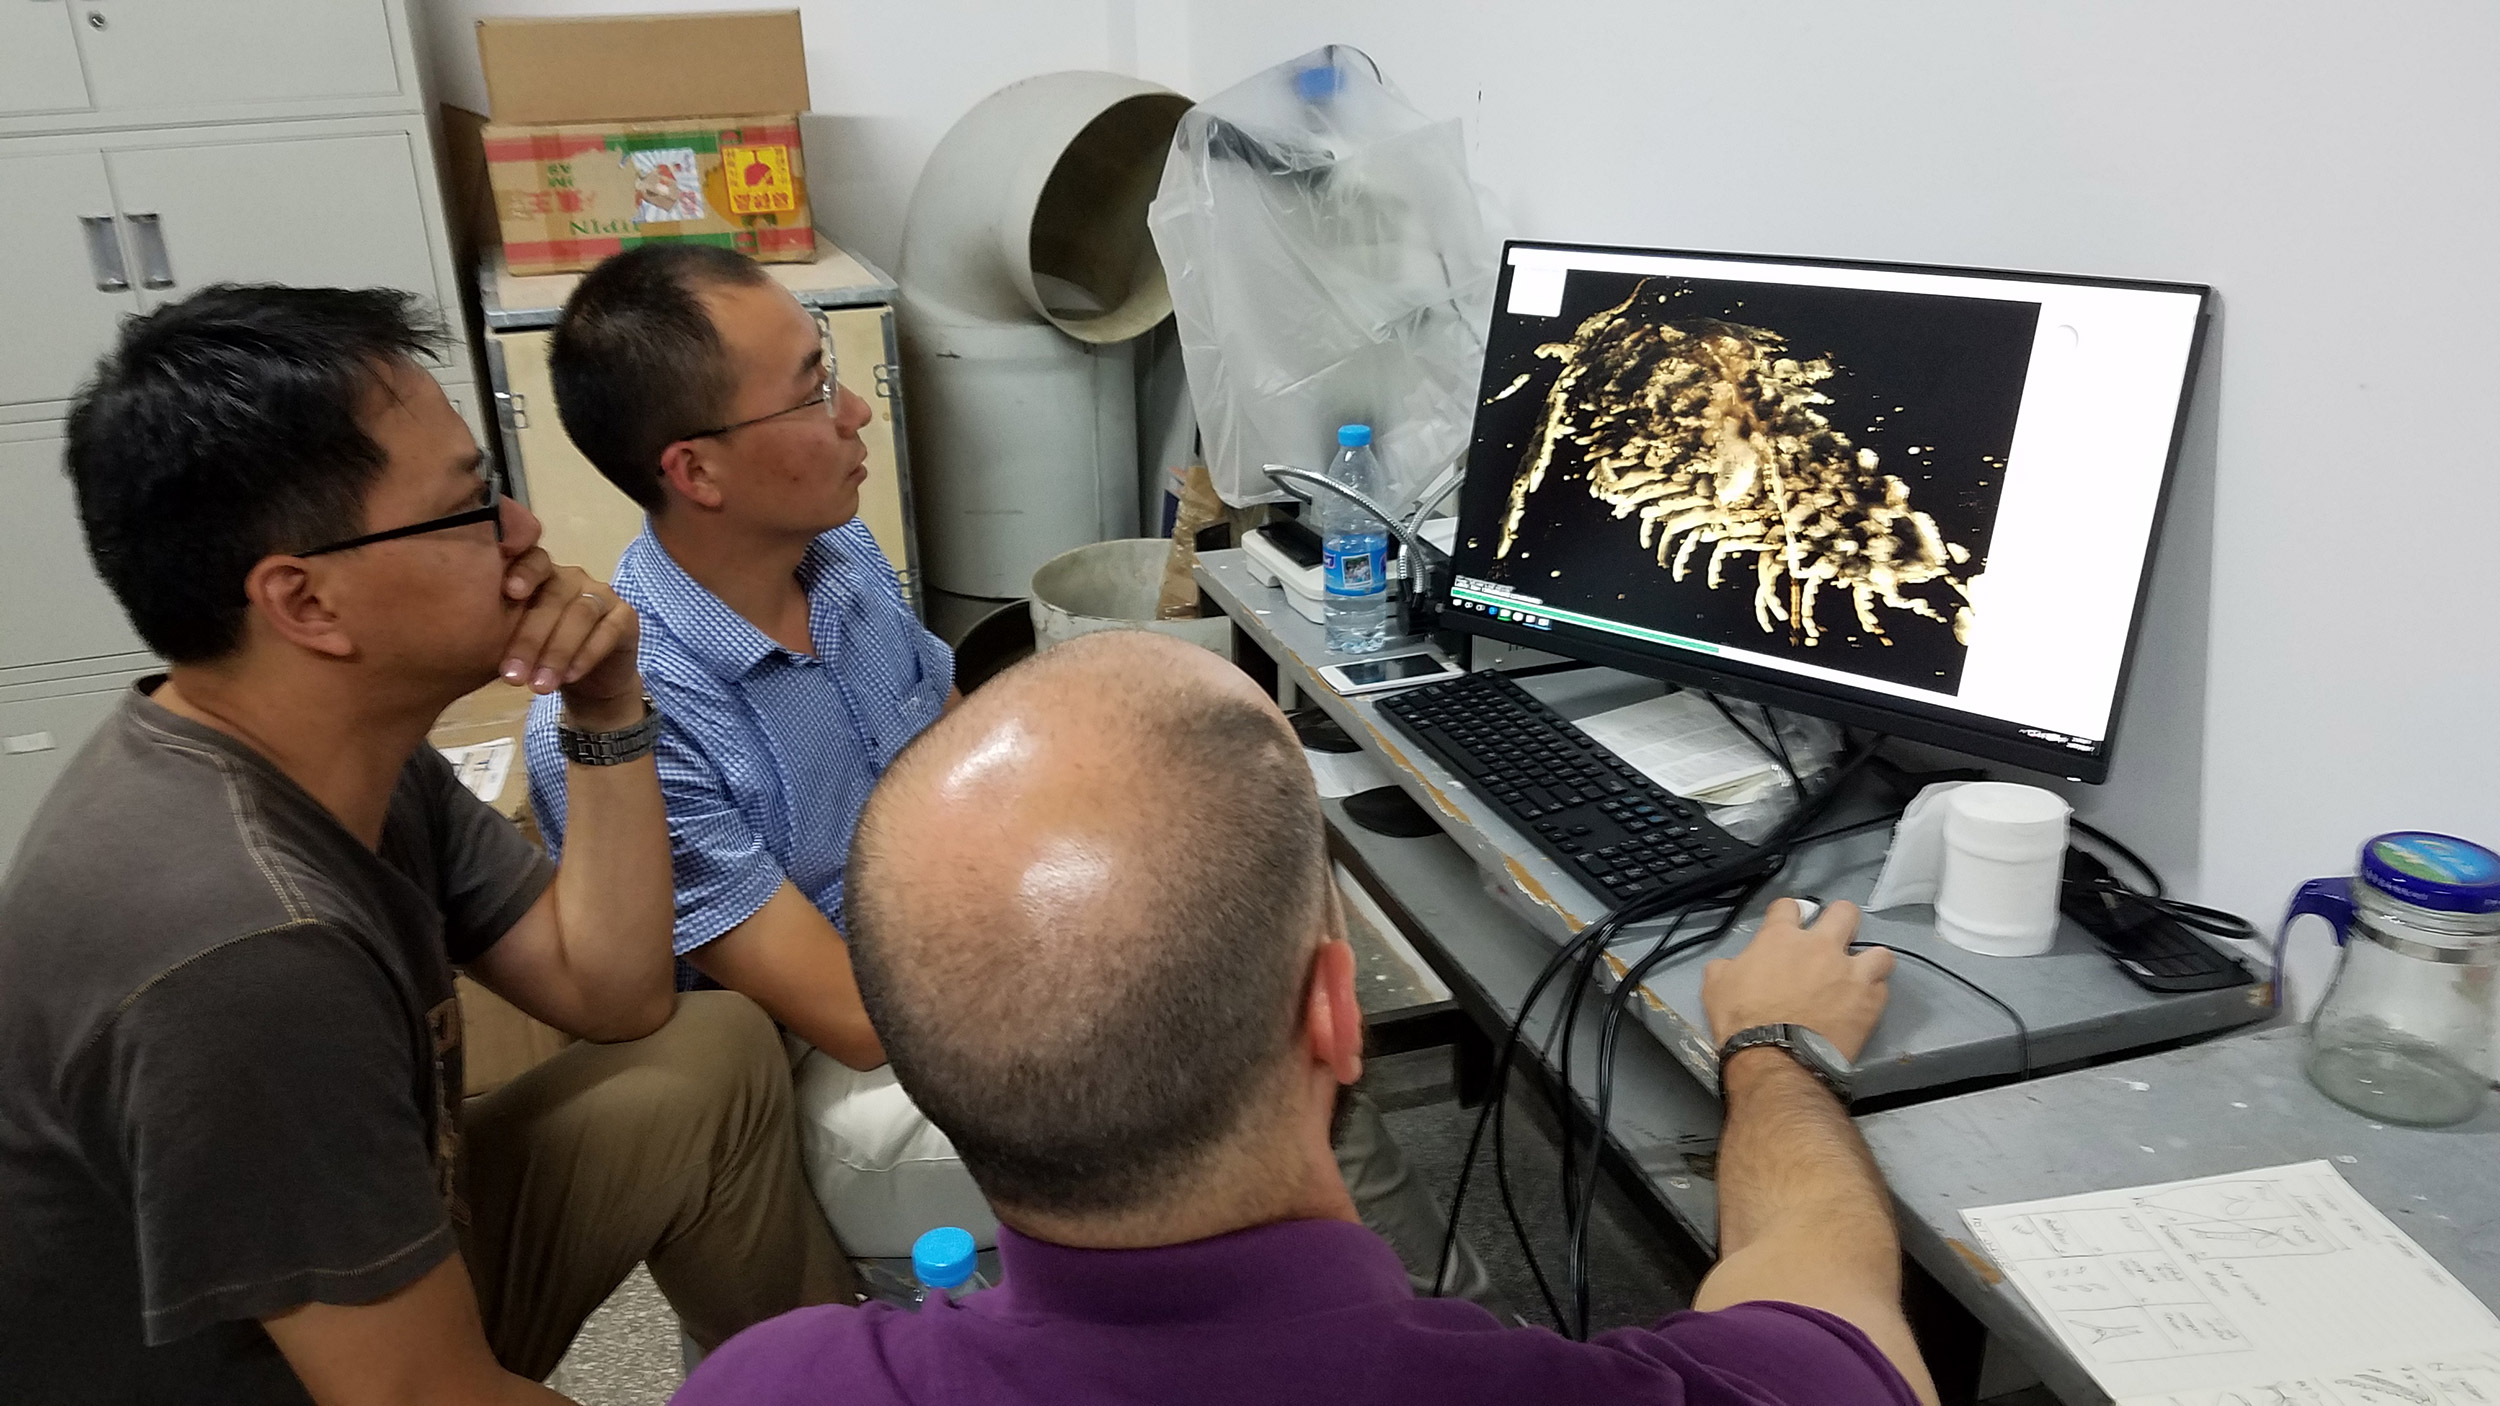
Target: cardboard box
643, 68
570, 195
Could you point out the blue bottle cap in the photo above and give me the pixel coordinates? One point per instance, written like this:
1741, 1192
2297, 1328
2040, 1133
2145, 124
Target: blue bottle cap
944, 1257
1319, 83
2439, 872
1348, 436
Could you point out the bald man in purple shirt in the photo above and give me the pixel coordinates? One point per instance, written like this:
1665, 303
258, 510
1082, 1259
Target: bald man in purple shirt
1091, 917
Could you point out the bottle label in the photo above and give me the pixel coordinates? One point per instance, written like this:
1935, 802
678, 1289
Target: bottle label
1356, 566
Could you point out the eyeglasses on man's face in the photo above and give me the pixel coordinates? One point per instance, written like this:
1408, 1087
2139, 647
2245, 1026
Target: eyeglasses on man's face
826, 389
491, 510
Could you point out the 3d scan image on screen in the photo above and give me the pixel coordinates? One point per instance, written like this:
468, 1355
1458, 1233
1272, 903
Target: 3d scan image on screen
1793, 471
1932, 491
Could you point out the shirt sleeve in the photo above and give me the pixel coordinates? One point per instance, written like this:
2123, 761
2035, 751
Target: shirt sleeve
265, 1101
1767, 1353
546, 764
723, 872
489, 872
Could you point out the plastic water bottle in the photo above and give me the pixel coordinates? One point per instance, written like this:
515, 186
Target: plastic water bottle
947, 1265
1354, 549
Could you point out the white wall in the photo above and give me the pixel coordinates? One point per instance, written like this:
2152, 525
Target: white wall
2322, 659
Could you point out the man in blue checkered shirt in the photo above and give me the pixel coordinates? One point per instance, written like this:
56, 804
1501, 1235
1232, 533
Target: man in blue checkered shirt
777, 646
776, 641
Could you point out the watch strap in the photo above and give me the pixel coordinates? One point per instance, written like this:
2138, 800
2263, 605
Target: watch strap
625, 744
1791, 1041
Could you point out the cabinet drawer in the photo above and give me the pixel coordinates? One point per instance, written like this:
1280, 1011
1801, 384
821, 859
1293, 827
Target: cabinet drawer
39, 69
38, 736
346, 211
52, 605
197, 53
61, 241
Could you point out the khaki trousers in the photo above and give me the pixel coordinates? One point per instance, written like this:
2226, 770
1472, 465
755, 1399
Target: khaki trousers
677, 1150
1399, 1209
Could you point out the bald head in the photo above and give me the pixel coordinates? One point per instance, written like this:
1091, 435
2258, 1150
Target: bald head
1082, 909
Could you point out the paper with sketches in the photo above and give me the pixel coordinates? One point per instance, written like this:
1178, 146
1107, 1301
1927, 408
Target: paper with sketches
482, 767
2275, 1287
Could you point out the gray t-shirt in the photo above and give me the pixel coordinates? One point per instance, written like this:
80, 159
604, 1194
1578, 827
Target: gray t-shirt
229, 1057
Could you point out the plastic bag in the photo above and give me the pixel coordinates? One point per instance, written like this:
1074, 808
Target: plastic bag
1329, 264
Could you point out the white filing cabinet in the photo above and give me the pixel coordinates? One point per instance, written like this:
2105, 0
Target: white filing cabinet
149, 148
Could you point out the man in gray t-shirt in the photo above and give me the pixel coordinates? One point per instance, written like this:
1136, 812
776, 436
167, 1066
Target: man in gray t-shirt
234, 1164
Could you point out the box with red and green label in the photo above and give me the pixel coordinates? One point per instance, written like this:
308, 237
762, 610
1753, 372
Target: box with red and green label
569, 195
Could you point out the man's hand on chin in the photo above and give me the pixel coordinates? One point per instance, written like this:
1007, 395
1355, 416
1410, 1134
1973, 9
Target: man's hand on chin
574, 634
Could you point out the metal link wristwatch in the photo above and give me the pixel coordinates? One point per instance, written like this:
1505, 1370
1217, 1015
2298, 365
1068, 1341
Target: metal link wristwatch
1819, 1057
625, 744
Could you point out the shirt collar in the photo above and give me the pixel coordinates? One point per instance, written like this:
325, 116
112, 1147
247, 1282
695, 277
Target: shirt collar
1289, 1269
723, 641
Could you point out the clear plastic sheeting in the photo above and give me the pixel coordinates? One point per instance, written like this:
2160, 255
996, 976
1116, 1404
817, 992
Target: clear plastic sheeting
1330, 264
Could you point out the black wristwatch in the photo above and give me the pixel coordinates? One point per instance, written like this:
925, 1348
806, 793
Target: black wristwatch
626, 744
1820, 1057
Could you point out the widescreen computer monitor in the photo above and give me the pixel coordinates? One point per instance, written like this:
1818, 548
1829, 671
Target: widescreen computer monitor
1919, 500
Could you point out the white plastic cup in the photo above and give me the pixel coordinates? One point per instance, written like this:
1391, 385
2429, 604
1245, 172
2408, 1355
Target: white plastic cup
2004, 855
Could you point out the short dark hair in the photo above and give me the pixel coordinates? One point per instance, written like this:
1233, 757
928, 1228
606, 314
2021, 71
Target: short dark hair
223, 428
1100, 1099
636, 362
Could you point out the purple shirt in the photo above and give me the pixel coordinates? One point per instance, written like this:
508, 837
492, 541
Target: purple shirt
1314, 1310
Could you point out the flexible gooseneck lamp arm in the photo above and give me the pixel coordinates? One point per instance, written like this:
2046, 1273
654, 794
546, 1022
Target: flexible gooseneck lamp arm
1413, 572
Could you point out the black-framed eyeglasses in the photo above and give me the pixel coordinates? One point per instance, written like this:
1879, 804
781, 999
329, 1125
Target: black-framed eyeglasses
489, 511
823, 396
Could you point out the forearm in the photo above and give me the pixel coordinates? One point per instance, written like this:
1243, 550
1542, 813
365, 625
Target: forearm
1803, 1215
844, 1034
789, 959
615, 902
1790, 1160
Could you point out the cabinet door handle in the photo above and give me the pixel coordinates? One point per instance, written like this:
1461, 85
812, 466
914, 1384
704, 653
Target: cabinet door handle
155, 270
104, 254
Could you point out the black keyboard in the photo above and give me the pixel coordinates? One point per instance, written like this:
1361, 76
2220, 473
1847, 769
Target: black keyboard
1581, 803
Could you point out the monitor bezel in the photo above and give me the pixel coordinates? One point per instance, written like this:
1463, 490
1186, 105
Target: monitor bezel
1904, 718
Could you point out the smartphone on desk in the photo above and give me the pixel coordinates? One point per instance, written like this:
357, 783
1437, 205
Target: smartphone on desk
1389, 671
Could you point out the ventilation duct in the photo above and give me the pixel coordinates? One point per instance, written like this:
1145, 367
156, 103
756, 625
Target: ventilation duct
1026, 271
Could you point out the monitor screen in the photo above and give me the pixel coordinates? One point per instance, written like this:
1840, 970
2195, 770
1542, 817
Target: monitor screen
1922, 500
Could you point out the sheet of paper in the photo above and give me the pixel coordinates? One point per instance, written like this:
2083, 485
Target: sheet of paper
1679, 741
2275, 1287
1345, 773
483, 767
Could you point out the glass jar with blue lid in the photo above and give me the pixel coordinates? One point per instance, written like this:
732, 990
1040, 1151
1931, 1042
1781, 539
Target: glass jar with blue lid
2406, 1032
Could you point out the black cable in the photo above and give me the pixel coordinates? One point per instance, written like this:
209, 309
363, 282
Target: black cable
1772, 856
1634, 910
1889, 817
1776, 749
1497, 1096
2022, 1032
1787, 764
2152, 877
1576, 1278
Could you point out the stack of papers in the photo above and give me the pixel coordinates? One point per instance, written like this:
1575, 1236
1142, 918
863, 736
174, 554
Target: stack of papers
1679, 741
2275, 1287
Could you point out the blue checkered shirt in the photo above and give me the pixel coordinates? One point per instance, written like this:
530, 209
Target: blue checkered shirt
766, 756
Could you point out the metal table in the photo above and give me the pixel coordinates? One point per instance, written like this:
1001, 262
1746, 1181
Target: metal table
2225, 1106
2074, 1004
